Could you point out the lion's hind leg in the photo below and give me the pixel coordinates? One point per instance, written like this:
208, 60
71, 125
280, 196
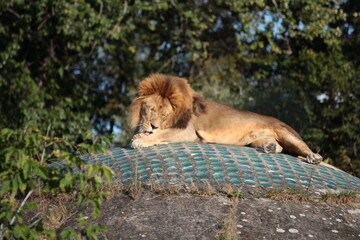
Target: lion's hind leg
296, 146
269, 145
272, 147
264, 138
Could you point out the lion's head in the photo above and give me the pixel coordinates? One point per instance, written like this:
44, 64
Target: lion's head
163, 102
154, 110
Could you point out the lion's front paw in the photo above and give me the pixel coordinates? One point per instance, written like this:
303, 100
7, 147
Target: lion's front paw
314, 158
139, 135
140, 142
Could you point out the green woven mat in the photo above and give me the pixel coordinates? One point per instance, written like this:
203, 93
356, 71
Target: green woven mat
218, 164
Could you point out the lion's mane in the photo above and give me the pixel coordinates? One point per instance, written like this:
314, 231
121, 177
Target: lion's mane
176, 90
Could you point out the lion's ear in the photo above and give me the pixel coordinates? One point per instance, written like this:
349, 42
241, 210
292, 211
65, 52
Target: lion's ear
135, 108
199, 105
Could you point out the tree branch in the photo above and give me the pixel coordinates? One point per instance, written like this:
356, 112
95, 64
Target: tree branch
14, 13
21, 205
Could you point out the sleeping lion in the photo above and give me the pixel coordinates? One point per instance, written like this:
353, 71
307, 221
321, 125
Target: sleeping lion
168, 110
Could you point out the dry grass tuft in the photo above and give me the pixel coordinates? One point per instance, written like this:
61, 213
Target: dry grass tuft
55, 216
112, 189
228, 189
134, 190
52, 210
341, 198
165, 189
229, 229
194, 189
210, 190
231, 192
288, 195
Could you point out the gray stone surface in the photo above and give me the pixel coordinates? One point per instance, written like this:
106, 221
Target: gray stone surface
268, 219
165, 217
188, 216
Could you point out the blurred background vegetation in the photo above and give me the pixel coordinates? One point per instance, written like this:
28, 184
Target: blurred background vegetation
75, 64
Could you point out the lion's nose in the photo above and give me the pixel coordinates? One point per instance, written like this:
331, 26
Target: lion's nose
153, 127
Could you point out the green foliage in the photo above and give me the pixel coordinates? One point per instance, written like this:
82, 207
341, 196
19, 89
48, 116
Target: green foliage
235, 194
49, 53
25, 168
88, 231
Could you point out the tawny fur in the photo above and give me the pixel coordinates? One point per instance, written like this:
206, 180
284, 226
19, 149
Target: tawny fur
176, 113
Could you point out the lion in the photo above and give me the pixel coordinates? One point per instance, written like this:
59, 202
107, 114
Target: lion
168, 110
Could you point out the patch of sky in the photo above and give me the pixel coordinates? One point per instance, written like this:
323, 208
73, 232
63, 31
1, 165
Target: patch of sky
218, 25
350, 29
301, 26
262, 21
100, 52
322, 97
143, 54
165, 45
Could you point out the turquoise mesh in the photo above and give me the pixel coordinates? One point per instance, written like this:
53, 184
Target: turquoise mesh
214, 163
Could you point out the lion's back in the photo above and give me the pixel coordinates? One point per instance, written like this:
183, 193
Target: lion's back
218, 116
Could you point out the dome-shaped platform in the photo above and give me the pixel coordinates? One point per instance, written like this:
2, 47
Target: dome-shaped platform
219, 164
